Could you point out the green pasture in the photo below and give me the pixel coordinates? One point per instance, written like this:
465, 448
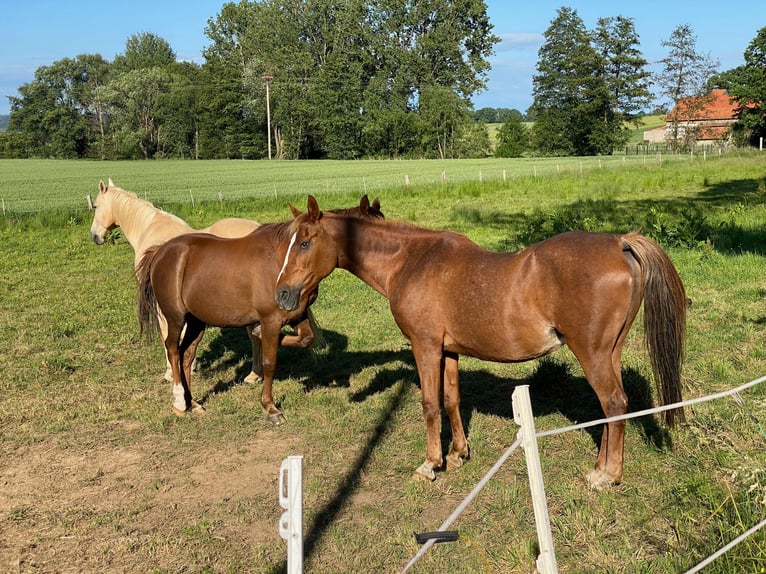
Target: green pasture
97, 475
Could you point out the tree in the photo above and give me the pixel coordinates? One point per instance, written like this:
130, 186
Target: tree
571, 99
747, 85
625, 73
348, 74
135, 99
144, 50
513, 138
684, 76
48, 112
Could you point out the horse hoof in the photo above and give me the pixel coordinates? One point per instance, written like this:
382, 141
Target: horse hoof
454, 462
178, 412
168, 376
197, 408
253, 379
277, 419
597, 480
424, 472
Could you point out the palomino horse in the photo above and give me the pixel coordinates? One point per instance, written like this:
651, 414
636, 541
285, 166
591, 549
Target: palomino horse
451, 297
145, 226
198, 279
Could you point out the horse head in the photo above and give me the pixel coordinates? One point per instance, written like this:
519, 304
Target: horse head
103, 215
310, 257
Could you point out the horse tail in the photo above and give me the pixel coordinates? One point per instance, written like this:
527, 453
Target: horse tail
665, 305
147, 302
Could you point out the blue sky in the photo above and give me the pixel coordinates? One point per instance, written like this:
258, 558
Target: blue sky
35, 33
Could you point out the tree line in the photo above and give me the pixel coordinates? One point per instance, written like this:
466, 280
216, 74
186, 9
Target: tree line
591, 85
349, 79
346, 79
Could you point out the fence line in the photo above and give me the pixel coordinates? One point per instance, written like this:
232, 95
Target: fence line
480, 485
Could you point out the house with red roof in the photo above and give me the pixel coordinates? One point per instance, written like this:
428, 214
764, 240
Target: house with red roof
706, 119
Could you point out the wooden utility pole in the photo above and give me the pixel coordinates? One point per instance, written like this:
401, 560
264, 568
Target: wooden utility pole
268, 79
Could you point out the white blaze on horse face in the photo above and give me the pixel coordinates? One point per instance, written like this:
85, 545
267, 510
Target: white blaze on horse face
287, 256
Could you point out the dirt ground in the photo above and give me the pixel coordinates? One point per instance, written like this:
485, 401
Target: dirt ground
118, 509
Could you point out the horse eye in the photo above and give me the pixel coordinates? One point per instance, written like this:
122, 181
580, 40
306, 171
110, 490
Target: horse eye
305, 244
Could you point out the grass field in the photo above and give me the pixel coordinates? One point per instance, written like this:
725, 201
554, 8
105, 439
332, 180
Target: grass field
96, 474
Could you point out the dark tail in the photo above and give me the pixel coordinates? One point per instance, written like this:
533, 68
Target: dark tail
147, 303
665, 305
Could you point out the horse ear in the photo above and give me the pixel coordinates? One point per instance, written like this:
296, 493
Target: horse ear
364, 204
101, 186
294, 210
376, 204
313, 209
111, 183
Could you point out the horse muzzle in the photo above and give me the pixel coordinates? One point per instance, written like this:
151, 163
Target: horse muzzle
97, 239
288, 297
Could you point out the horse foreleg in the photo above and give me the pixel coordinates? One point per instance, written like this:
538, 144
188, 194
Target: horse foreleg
459, 450
256, 371
181, 394
303, 338
270, 342
429, 371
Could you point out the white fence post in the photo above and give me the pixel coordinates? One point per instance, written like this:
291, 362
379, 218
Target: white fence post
522, 415
291, 521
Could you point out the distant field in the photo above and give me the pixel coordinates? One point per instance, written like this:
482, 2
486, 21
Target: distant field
32, 185
646, 123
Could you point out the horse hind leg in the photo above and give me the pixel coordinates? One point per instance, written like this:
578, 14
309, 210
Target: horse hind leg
606, 380
189, 343
181, 356
256, 370
162, 323
459, 451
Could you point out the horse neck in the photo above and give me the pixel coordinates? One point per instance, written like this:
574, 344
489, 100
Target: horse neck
136, 217
371, 255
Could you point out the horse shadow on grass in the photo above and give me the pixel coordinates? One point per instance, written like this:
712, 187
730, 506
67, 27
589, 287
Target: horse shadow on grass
553, 387
329, 366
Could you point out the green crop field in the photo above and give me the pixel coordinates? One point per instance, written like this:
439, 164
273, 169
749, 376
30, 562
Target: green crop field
97, 475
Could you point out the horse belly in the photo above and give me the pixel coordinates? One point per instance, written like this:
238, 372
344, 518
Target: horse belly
512, 341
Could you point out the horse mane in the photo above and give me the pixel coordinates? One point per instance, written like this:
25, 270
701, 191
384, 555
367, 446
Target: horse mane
141, 209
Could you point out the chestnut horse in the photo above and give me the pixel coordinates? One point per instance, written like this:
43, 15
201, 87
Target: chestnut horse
145, 225
450, 297
198, 279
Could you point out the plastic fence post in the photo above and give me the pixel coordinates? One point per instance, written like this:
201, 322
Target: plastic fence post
522, 415
291, 521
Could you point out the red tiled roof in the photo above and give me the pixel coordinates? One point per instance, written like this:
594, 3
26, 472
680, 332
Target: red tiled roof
717, 106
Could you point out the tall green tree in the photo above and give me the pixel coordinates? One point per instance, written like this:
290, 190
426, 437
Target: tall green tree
747, 86
347, 74
144, 50
513, 138
51, 111
626, 75
571, 97
685, 75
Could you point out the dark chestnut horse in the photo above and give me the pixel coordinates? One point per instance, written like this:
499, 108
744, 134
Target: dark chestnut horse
198, 279
450, 297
